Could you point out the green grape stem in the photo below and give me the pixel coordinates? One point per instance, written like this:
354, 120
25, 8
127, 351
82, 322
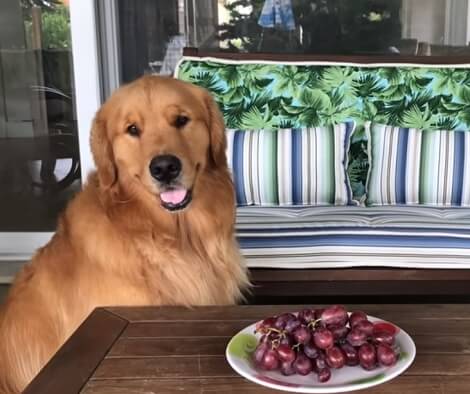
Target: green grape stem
313, 323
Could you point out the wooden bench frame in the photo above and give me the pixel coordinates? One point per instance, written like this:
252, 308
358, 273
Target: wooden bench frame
432, 284
428, 285
362, 59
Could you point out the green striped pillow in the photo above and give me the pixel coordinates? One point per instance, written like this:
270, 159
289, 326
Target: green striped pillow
304, 166
411, 166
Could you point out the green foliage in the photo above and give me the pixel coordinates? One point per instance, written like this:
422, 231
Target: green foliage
55, 20
56, 28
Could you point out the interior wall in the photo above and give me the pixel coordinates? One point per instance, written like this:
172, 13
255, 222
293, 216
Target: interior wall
438, 22
457, 22
424, 20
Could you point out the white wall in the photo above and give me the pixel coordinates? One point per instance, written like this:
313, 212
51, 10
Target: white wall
424, 20
457, 22
437, 21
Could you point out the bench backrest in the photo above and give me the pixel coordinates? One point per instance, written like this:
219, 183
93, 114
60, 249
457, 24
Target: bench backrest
270, 94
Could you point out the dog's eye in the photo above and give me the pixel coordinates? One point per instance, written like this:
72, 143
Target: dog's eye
133, 130
181, 121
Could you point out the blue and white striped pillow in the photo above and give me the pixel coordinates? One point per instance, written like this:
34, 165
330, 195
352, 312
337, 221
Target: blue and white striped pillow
305, 166
411, 166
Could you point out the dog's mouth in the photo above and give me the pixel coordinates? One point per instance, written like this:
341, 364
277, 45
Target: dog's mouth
176, 199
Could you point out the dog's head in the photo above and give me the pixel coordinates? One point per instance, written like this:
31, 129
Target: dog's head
158, 135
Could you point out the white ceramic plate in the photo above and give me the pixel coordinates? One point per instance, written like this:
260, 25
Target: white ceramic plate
241, 346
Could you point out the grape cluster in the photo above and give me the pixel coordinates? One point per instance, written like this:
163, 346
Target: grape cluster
318, 340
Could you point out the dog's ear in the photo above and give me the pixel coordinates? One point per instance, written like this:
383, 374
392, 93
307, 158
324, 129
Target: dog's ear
102, 152
218, 140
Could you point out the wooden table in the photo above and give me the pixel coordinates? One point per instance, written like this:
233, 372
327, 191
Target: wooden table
172, 349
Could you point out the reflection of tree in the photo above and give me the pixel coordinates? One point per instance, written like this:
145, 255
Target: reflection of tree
56, 28
55, 22
327, 26
242, 31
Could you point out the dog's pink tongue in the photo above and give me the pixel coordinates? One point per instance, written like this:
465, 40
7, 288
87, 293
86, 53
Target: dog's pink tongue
173, 196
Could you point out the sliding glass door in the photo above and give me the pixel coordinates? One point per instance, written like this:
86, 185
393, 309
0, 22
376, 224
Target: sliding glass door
40, 162
59, 59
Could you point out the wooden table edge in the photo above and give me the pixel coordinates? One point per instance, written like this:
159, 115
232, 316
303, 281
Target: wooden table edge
64, 373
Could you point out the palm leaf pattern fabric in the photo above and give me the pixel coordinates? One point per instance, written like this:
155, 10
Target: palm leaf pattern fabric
269, 95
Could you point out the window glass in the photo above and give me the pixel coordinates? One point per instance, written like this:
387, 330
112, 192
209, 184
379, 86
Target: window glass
153, 32
39, 158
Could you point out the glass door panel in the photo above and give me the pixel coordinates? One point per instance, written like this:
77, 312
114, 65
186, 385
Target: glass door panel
39, 155
153, 32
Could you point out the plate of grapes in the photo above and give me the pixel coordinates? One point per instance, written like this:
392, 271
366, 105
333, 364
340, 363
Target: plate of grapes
324, 350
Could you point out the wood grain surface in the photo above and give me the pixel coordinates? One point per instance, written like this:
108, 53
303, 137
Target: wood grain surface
179, 350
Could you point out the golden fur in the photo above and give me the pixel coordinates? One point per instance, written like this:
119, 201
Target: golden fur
115, 244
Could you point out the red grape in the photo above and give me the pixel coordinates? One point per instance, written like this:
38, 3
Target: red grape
290, 316
368, 367
366, 326
302, 364
356, 317
335, 314
338, 331
306, 315
352, 358
335, 358
270, 360
282, 320
265, 338
302, 335
383, 337
367, 356
323, 338
324, 375
258, 354
292, 325
386, 355
385, 326
356, 337
320, 362
285, 353
286, 340
265, 325
318, 313
287, 368
272, 336
310, 350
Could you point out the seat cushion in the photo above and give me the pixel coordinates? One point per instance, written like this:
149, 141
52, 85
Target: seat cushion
349, 236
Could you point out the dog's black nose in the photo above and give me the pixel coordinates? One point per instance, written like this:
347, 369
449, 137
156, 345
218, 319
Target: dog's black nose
165, 168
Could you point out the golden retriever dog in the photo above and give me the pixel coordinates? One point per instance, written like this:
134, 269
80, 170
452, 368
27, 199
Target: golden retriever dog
153, 226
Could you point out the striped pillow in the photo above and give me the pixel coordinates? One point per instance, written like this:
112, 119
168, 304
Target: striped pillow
305, 166
411, 166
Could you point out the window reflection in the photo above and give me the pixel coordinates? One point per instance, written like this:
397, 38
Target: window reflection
154, 32
39, 158
407, 27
